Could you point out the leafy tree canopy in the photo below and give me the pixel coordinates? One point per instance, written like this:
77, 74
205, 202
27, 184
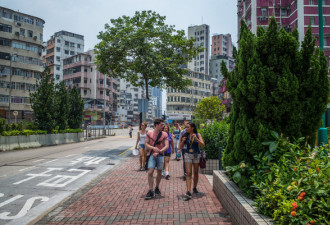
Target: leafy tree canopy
209, 109
145, 51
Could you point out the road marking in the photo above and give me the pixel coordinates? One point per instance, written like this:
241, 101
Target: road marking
3, 176
123, 153
27, 168
39, 160
70, 155
51, 161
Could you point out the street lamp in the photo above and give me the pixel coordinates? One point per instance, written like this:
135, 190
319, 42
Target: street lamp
10, 85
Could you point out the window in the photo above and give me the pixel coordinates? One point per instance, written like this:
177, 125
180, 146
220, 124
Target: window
78, 45
58, 49
30, 33
85, 70
58, 41
284, 12
40, 37
58, 58
57, 77
324, 20
66, 52
264, 12
312, 19
325, 42
71, 44
85, 80
58, 67
5, 42
66, 43
324, 2
85, 92
101, 92
22, 31
5, 28
4, 55
71, 52
311, 2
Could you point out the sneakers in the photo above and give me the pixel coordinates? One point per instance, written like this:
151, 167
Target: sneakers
163, 173
157, 191
167, 177
195, 191
150, 195
188, 195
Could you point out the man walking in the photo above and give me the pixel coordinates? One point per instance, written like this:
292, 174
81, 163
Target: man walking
157, 143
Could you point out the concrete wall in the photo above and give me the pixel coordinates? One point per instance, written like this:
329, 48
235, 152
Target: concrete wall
240, 208
32, 141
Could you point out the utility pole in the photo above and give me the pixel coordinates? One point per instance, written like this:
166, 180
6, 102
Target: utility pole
104, 102
323, 132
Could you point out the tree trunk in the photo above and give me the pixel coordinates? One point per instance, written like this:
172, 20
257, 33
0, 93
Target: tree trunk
147, 87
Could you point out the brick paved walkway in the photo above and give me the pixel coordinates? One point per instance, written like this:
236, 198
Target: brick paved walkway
117, 197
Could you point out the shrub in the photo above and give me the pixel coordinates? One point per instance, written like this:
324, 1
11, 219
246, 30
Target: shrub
28, 132
2, 125
214, 135
291, 185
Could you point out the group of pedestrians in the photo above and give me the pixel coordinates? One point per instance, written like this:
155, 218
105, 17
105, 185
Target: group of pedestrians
157, 146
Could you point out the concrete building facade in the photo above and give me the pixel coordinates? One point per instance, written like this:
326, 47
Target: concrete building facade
61, 45
95, 88
222, 45
289, 14
201, 35
183, 102
21, 39
215, 66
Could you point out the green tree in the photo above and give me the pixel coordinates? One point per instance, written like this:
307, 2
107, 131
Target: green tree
42, 102
76, 109
274, 86
61, 104
145, 51
209, 109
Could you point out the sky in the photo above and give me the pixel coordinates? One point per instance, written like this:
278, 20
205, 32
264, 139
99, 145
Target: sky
88, 17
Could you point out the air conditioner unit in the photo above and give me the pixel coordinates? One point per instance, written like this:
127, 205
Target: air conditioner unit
35, 37
17, 33
18, 24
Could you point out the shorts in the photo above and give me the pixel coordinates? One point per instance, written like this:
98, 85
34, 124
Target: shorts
142, 146
167, 154
156, 163
190, 158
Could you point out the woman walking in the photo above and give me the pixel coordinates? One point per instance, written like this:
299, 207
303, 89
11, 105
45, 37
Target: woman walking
176, 133
167, 153
141, 137
193, 140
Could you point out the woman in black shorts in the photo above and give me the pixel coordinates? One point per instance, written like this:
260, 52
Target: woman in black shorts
167, 154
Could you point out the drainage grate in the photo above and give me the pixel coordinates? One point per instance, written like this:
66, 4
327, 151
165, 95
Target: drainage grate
86, 168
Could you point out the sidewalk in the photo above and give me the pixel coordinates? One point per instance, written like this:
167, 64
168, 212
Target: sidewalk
117, 197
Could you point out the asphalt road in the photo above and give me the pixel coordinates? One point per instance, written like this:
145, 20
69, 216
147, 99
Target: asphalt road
33, 181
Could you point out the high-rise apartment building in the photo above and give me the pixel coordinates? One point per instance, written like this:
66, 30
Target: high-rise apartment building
95, 88
128, 108
289, 14
62, 45
201, 35
181, 104
222, 45
215, 66
21, 38
156, 102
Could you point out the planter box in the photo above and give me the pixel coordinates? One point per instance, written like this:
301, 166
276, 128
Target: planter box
240, 208
32, 141
211, 164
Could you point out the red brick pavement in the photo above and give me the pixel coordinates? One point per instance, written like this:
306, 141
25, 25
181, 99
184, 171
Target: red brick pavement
118, 198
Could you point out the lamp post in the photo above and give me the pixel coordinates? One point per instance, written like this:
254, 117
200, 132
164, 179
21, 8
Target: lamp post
10, 86
323, 133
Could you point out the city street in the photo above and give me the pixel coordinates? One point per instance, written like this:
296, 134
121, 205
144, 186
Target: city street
35, 180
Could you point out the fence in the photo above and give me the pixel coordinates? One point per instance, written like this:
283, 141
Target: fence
97, 132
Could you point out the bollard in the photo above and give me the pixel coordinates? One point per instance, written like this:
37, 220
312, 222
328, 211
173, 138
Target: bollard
220, 158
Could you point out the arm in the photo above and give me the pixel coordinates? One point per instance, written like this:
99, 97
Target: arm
148, 146
137, 140
200, 140
182, 142
166, 145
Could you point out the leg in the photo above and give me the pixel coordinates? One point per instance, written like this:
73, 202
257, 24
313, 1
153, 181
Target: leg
160, 166
184, 167
188, 177
151, 178
140, 157
166, 163
196, 175
144, 157
158, 178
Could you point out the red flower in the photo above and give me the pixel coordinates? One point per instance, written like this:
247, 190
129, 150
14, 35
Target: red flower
267, 171
318, 169
300, 198
294, 168
302, 194
294, 205
312, 222
293, 213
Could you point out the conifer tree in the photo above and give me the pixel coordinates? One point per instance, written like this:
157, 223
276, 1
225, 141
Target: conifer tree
61, 106
274, 86
76, 109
